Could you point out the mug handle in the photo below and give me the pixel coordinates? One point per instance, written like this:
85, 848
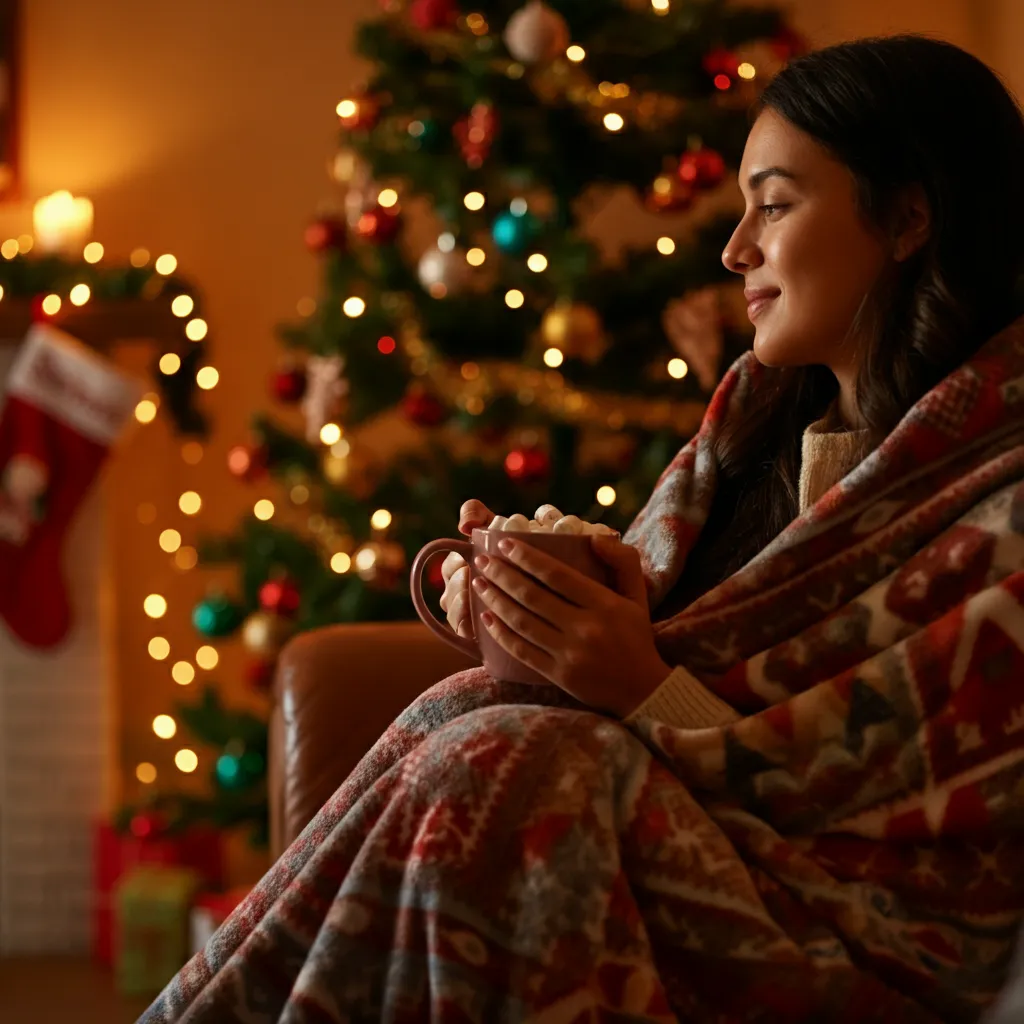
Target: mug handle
462, 547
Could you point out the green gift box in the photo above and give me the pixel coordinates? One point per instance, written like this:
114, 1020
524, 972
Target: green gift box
152, 909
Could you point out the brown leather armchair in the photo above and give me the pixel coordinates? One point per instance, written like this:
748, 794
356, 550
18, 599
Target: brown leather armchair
337, 689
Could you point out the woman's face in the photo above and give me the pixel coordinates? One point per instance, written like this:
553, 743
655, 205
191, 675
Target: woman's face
806, 256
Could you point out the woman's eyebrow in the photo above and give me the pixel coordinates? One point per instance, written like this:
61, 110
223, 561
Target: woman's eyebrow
758, 177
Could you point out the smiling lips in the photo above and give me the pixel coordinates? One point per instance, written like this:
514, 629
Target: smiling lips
758, 299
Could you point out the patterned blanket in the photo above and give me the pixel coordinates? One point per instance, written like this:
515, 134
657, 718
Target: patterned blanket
850, 850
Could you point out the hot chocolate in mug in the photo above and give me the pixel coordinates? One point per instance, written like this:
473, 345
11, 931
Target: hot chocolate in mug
573, 549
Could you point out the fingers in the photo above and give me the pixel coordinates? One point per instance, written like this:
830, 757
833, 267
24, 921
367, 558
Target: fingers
458, 613
474, 515
453, 562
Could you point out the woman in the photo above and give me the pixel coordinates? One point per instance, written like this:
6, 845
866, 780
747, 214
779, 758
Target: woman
798, 793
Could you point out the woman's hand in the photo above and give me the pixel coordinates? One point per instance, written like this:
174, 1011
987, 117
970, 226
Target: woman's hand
455, 599
595, 643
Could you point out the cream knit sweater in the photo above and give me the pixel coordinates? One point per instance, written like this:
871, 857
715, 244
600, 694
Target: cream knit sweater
682, 700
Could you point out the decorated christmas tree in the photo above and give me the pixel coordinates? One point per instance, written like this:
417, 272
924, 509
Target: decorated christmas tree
473, 335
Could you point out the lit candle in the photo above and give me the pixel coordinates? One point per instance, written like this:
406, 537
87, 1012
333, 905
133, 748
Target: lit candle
62, 222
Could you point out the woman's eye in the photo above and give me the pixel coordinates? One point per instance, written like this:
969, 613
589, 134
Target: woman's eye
769, 208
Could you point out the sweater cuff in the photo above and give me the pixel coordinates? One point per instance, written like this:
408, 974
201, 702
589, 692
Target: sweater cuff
684, 702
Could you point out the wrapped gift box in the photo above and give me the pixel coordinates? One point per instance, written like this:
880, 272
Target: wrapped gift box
114, 854
152, 906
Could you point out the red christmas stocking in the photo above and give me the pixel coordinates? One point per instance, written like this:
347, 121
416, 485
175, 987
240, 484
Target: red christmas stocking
65, 406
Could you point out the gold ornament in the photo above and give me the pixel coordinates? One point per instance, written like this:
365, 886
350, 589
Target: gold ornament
576, 329
264, 634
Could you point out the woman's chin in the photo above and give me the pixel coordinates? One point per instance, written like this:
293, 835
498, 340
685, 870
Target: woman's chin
771, 349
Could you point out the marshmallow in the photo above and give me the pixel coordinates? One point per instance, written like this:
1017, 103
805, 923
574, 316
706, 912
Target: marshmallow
535, 527
517, 524
568, 524
498, 523
547, 515
604, 530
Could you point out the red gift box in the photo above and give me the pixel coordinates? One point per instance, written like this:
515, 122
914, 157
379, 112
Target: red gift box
200, 849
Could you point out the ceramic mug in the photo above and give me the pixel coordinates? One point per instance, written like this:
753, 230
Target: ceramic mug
572, 548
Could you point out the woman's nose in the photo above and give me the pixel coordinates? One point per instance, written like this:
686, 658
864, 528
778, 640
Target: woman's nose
740, 253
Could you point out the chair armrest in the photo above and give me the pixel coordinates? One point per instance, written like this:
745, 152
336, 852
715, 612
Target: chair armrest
337, 689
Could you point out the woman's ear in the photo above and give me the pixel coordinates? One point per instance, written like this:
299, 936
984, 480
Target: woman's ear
913, 222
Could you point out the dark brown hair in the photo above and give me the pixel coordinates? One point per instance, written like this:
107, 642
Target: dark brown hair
896, 111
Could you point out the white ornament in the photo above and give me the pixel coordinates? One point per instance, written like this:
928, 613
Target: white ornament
325, 388
449, 269
536, 33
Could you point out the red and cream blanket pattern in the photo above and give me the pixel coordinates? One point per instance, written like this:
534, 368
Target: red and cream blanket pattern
850, 850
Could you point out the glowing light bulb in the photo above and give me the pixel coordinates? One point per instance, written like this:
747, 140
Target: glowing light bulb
166, 264
207, 378
614, 122
330, 433
159, 648
170, 363
207, 657
145, 773
347, 109
93, 252
476, 257
365, 559
196, 330
9, 249
386, 345
553, 357
381, 519
340, 562
677, 368
388, 197
474, 200
666, 246
263, 509
164, 726
353, 306
606, 495
185, 760
182, 673
51, 304
576, 54
155, 606
538, 263
139, 257
170, 541
190, 503
182, 305
80, 294
145, 411
514, 298
661, 6
747, 71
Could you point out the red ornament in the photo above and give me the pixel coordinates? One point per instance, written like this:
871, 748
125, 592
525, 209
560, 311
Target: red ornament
424, 409
721, 61
259, 675
378, 225
289, 385
428, 15
325, 235
527, 465
476, 133
147, 824
247, 462
702, 168
280, 597
361, 112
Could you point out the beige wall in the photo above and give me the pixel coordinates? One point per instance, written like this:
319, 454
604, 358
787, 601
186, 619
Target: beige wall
203, 129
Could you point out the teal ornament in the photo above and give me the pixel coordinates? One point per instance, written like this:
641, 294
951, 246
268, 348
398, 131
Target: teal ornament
512, 233
216, 616
229, 772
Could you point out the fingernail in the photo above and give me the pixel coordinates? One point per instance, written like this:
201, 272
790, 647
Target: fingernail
506, 547
487, 619
481, 561
479, 584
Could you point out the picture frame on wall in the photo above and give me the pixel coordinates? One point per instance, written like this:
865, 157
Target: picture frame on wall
10, 94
